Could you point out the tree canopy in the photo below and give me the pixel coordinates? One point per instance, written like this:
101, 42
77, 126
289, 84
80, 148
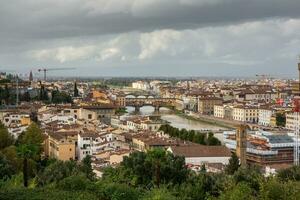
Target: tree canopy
6, 139
156, 174
233, 165
191, 135
152, 168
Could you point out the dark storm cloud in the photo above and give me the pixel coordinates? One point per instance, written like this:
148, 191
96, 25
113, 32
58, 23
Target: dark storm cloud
41, 19
136, 36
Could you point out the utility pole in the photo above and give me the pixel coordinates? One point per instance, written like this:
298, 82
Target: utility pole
17, 90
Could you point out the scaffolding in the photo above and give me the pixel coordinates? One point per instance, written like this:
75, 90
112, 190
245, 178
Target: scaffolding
296, 127
296, 142
296, 111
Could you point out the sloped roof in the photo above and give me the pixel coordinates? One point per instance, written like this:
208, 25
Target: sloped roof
201, 151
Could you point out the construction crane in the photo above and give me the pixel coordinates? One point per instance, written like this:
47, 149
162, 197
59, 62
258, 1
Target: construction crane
45, 70
264, 76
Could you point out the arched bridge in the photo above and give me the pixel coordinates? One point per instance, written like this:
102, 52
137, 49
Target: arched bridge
157, 103
140, 96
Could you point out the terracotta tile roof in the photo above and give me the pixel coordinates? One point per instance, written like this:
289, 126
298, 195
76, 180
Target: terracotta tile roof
201, 151
210, 98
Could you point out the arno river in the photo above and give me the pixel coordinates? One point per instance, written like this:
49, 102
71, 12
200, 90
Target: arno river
175, 120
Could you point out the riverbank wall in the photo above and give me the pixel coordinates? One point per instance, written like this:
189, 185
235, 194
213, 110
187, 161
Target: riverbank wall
208, 120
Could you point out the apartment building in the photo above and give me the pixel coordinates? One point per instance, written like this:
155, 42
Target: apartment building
95, 144
89, 112
245, 113
145, 141
141, 85
121, 101
87, 144
16, 118
223, 111
206, 105
265, 116
250, 94
144, 123
61, 145
295, 88
291, 120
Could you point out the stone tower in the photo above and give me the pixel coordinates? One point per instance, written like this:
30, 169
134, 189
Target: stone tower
241, 143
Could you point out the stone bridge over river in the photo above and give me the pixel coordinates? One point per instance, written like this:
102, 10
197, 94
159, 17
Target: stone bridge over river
156, 102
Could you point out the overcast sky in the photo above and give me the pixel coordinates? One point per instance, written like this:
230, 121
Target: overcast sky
151, 37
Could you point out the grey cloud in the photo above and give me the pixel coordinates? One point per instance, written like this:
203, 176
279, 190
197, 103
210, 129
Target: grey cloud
56, 18
213, 35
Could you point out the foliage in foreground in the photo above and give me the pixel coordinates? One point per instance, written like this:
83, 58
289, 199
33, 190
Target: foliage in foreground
155, 175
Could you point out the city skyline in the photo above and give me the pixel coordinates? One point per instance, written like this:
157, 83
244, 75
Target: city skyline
151, 38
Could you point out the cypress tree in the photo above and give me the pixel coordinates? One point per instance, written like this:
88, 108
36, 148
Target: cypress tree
76, 92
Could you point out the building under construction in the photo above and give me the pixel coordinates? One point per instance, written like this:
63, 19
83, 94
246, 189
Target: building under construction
261, 147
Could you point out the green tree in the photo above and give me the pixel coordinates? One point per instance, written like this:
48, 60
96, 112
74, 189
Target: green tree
159, 194
33, 135
199, 138
280, 119
143, 169
25, 97
203, 168
74, 183
6, 94
156, 156
240, 191
197, 186
183, 134
233, 165
60, 97
86, 167
57, 171
191, 135
6, 170
212, 140
26, 152
76, 92
46, 194
115, 191
12, 158
6, 139
43, 96
273, 189
250, 175
291, 173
